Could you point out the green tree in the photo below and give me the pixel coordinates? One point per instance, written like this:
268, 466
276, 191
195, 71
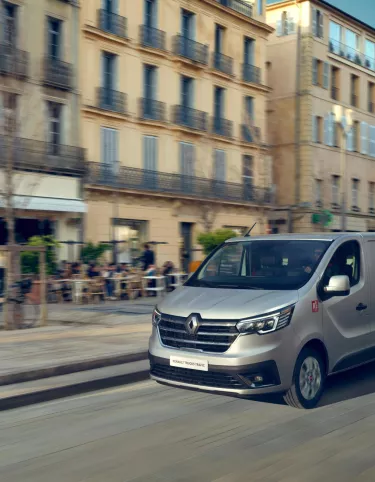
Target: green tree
210, 241
93, 252
30, 260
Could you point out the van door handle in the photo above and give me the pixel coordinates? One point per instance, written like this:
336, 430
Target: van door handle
361, 307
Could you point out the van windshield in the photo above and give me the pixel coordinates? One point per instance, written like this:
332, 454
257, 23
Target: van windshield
260, 265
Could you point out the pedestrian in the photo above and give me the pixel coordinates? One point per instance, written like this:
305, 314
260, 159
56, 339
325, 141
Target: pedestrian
148, 257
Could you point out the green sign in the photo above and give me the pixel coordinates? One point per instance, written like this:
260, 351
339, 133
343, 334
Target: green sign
325, 218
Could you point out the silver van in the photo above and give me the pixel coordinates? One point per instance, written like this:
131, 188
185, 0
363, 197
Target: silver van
270, 314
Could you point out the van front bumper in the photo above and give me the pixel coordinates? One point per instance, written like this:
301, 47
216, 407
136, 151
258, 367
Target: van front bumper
243, 380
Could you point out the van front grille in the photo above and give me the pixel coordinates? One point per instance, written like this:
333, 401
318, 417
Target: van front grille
214, 336
195, 377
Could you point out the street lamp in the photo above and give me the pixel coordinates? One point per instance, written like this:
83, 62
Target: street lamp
343, 118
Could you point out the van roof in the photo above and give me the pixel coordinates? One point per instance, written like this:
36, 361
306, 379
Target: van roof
302, 237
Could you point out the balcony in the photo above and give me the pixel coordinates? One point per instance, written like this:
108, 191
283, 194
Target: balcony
334, 93
190, 118
150, 109
223, 63
190, 49
222, 127
37, 156
351, 54
354, 100
239, 6
13, 62
108, 99
112, 23
250, 73
175, 184
152, 38
250, 135
58, 74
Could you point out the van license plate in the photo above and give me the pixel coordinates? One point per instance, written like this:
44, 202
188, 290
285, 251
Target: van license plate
192, 363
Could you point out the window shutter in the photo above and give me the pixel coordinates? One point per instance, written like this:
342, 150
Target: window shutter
364, 137
219, 167
349, 140
115, 6
102, 68
115, 157
326, 130
314, 25
291, 26
279, 27
321, 25
326, 75
315, 129
103, 146
315, 71
372, 140
331, 130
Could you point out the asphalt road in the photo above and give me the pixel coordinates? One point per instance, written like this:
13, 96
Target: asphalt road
150, 433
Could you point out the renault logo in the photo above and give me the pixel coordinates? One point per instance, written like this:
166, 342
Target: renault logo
192, 324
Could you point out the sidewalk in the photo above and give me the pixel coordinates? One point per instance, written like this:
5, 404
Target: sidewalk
77, 338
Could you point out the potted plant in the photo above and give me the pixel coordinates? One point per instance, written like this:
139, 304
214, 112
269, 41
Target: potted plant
358, 60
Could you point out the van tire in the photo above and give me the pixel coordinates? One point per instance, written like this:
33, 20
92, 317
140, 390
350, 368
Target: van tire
294, 396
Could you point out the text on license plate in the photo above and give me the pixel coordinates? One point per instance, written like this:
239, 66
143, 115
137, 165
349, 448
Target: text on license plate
192, 363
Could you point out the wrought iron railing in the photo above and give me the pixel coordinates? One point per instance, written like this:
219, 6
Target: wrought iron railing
185, 47
152, 109
222, 62
250, 135
39, 156
251, 73
222, 127
108, 99
112, 23
121, 177
58, 74
351, 54
334, 93
239, 6
188, 117
13, 62
152, 37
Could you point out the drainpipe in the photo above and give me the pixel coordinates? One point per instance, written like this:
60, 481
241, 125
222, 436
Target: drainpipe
297, 128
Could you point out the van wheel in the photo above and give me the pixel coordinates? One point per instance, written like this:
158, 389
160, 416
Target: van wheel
308, 380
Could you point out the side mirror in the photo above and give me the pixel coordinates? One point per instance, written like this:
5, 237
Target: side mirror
338, 286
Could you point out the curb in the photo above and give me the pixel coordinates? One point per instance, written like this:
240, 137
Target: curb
75, 367
50, 394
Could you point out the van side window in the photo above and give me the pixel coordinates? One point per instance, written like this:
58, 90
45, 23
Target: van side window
345, 261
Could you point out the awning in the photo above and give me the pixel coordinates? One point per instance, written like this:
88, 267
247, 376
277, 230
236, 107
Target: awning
32, 203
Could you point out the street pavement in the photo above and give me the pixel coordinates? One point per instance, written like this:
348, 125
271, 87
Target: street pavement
146, 432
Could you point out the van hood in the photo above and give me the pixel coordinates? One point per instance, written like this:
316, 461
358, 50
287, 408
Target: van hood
223, 303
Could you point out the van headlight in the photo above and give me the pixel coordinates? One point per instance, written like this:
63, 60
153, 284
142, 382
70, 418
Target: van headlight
156, 317
266, 323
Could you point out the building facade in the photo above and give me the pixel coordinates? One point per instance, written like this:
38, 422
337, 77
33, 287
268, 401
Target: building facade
174, 121
320, 57
40, 119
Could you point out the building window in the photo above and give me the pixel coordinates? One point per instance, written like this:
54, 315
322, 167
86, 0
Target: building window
108, 70
354, 90
249, 48
260, 7
248, 176
317, 129
149, 87
55, 127
150, 9
335, 45
371, 97
370, 54
335, 191
355, 190
9, 119
335, 92
109, 150
187, 166
329, 130
219, 39
320, 73
352, 46
187, 92
219, 165
150, 153
10, 24
219, 93
371, 197
318, 193
317, 23
55, 49
187, 24
285, 25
